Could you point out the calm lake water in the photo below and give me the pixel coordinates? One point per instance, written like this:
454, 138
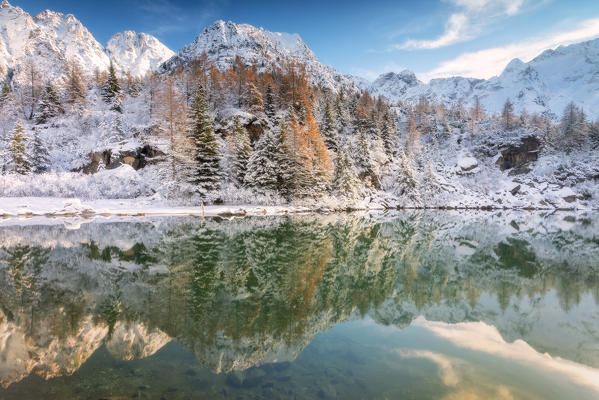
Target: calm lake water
407, 305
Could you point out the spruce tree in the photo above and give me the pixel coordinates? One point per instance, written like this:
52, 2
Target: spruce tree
264, 169
111, 90
345, 177
206, 157
75, 87
269, 103
329, 127
388, 133
507, 114
361, 154
5, 93
18, 150
242, 151
50, 106
40, 159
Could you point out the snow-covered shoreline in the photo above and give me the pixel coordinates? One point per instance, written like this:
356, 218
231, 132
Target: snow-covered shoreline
55, 207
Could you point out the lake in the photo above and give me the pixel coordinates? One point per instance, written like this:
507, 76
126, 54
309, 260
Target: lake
410, 305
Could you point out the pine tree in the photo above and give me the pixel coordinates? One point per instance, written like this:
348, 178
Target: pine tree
76, 90
413, 138
329, 127
5, 93
242, 151
345, 177
252, 98
405, 182
40, 159
264, 170
111, 90
207, 172
507, 114
50, 106
361, 154
18, 151
388, 133
269, 103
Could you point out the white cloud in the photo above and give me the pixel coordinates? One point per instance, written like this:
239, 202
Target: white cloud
447, 365
490, 62
480, 337
468, 22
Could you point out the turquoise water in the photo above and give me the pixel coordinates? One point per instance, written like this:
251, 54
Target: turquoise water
410, 305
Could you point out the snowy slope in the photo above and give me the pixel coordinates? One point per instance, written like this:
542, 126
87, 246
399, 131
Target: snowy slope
136, 53
52, 39
546, 84
223, 41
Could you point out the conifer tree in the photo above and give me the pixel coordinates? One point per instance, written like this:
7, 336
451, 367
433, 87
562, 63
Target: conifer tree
242, 151
388, 133
269, 103
507, 114
329, 127
50, 106
207, 172
345, 177
264, 170
111, 90
406, 183
5, 93
18, 150
361, 154
75, 87
40, 159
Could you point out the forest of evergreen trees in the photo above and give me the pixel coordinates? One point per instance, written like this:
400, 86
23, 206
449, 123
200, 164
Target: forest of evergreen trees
269, 132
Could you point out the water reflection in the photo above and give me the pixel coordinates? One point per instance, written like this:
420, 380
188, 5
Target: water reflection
406, 305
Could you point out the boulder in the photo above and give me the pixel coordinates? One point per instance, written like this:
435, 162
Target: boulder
517, 155
137, 159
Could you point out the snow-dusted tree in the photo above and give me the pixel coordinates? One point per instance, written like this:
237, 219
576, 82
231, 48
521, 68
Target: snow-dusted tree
388, 134
206, 156
40, 158
269, 103
361, 154
50, 105
329, 127
172, 111
345, 177
573, 124
252, 98
507, 115
75, 87
111, 90
19, 158
242, 151
152, 86
413, 137
132, 85
264, 170
30, 97
405, 180
5, 93
477, 112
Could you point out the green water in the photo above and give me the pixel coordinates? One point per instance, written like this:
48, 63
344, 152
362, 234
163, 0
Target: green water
407, 305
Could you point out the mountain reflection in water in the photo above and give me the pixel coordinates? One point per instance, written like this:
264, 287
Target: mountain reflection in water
409, 304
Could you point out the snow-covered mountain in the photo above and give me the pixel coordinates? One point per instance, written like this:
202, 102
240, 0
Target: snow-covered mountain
223, 41
50, 39
546, 84
136, 53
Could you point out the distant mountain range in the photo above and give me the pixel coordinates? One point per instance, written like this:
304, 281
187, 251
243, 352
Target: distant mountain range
544, 85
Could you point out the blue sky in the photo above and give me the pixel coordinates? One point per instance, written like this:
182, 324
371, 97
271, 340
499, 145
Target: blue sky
474, 38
